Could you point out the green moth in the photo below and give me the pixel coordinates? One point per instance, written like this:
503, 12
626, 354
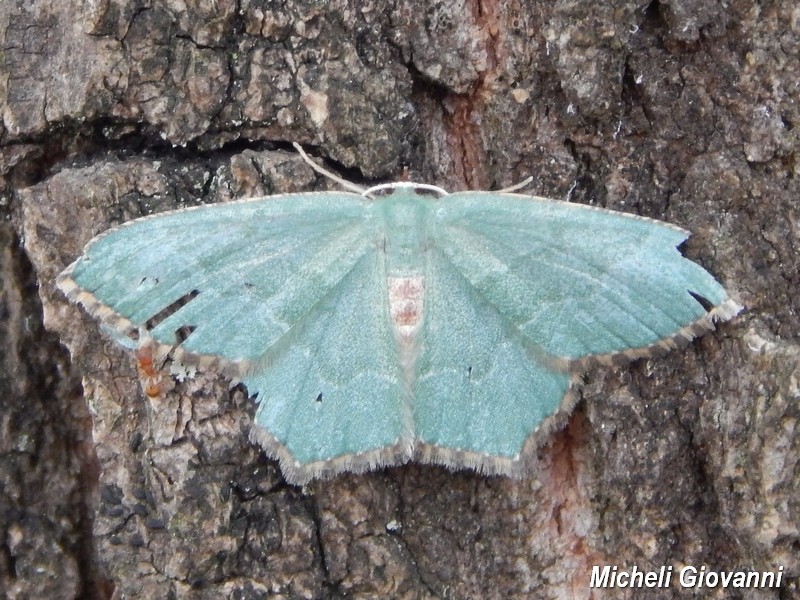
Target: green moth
401, 323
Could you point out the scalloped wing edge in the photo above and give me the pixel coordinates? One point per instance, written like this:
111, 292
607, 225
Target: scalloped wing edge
401, 453
720, 313
516, 467
297, 473
125, 327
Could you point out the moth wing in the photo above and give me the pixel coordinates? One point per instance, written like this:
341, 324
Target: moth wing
481, 390
578, 281
235, 277
332, 397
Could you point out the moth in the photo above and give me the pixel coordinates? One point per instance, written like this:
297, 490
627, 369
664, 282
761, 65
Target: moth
401, 322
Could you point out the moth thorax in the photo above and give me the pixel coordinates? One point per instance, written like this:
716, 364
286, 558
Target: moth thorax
405, 305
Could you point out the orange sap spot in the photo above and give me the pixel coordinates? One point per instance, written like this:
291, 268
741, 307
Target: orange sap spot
151, 378
145, 362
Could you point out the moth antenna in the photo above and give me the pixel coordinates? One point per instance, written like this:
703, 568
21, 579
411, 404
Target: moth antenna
348, 185
517, 186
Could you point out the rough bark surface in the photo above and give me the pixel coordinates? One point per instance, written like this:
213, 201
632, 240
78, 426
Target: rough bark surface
683, 110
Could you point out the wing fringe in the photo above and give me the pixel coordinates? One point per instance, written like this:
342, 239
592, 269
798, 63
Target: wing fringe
405, 451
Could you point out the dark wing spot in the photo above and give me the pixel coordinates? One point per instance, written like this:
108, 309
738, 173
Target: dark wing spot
319, 397
146, 278
704, 302
182, 333
164, 313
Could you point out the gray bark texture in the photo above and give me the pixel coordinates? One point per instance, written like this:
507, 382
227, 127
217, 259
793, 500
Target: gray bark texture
681, 110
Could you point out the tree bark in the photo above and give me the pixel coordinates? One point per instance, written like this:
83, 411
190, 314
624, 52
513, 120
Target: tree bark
681, 110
